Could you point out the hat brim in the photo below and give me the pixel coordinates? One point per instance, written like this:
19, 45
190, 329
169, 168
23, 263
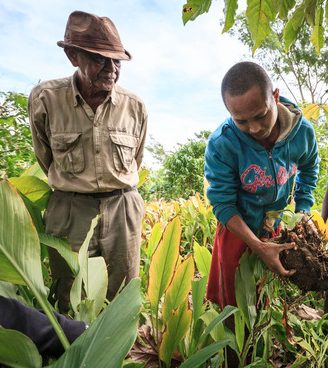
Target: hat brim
107, 53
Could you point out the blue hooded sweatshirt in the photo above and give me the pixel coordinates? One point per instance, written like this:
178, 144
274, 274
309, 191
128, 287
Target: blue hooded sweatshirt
246, 179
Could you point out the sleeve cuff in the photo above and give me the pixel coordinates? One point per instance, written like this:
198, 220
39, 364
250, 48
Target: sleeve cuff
303, 206
224, 215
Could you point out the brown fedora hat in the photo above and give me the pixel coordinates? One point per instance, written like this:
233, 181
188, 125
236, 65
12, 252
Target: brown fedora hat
95, 34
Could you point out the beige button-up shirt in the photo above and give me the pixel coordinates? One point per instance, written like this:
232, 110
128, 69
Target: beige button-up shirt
82, 151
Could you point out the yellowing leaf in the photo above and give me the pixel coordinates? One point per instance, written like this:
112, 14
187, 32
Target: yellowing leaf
176, 329
311, 111
179, 288
163, 263
259, 14
203, 259
319, 223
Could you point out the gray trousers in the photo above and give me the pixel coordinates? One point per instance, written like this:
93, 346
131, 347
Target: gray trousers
117, 236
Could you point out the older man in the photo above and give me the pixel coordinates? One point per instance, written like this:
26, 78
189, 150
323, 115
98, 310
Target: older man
88, 136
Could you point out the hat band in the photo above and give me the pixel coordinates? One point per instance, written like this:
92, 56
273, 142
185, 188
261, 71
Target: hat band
96, 44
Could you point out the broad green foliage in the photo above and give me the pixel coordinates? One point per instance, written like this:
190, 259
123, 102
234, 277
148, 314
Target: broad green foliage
20, 261
17, 350
263, 14
16, 151
182, 171
108, 340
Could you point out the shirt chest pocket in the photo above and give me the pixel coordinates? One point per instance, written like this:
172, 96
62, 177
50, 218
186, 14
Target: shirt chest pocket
67, 149
124, 149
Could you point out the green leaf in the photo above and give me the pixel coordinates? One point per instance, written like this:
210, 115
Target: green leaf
82, 276
203, 355
20, 250
18, 350
202, 258
35, 170
154, 239
293, 26
176, 328
163, 263
97, 283
230, 13
239, 330
194, 8
317, 36
259, 14
310, 7
63, 248
245, 286
227, 312
179, 288
108, 340
35, 189
143, 177
198, 293
284, 7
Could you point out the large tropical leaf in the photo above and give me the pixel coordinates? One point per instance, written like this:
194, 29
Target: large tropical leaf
63, 248
198, 294
179, 288
245, 288
176, 328
108, 340
19, 242
203, 355
35, 189
203, 259
317, 36
35, 170
18, 350
20, 250
163, 263
82, 276
154, 238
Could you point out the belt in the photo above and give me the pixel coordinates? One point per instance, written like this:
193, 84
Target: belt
115, 192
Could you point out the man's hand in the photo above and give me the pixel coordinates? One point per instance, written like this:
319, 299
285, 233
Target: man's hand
269, 254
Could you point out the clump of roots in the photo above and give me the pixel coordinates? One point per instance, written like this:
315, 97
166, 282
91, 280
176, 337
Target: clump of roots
310, 259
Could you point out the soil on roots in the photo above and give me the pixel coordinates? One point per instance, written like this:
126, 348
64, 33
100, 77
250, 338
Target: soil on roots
310, 259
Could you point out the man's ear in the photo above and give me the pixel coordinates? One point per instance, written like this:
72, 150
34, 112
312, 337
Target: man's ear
72, 55
276, 95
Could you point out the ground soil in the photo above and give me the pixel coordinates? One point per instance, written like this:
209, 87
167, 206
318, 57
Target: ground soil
310, 259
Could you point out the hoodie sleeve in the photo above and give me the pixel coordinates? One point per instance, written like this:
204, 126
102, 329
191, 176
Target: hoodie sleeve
308, 169
223, 179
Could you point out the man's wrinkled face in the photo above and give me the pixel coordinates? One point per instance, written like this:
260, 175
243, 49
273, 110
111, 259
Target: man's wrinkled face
253, 112
96, 71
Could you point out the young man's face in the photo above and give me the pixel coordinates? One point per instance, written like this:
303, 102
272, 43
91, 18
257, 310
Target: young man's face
253, 113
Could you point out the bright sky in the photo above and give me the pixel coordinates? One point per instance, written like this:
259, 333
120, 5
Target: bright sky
176, 69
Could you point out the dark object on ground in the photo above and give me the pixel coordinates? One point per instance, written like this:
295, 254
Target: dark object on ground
310, 260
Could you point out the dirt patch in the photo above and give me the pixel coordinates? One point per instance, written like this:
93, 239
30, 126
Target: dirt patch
310, 260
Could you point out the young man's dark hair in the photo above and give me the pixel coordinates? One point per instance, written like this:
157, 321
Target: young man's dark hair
242, 77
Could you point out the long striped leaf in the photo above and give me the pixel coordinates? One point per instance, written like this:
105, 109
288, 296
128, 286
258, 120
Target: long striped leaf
179, 288
176, 328
163, 263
